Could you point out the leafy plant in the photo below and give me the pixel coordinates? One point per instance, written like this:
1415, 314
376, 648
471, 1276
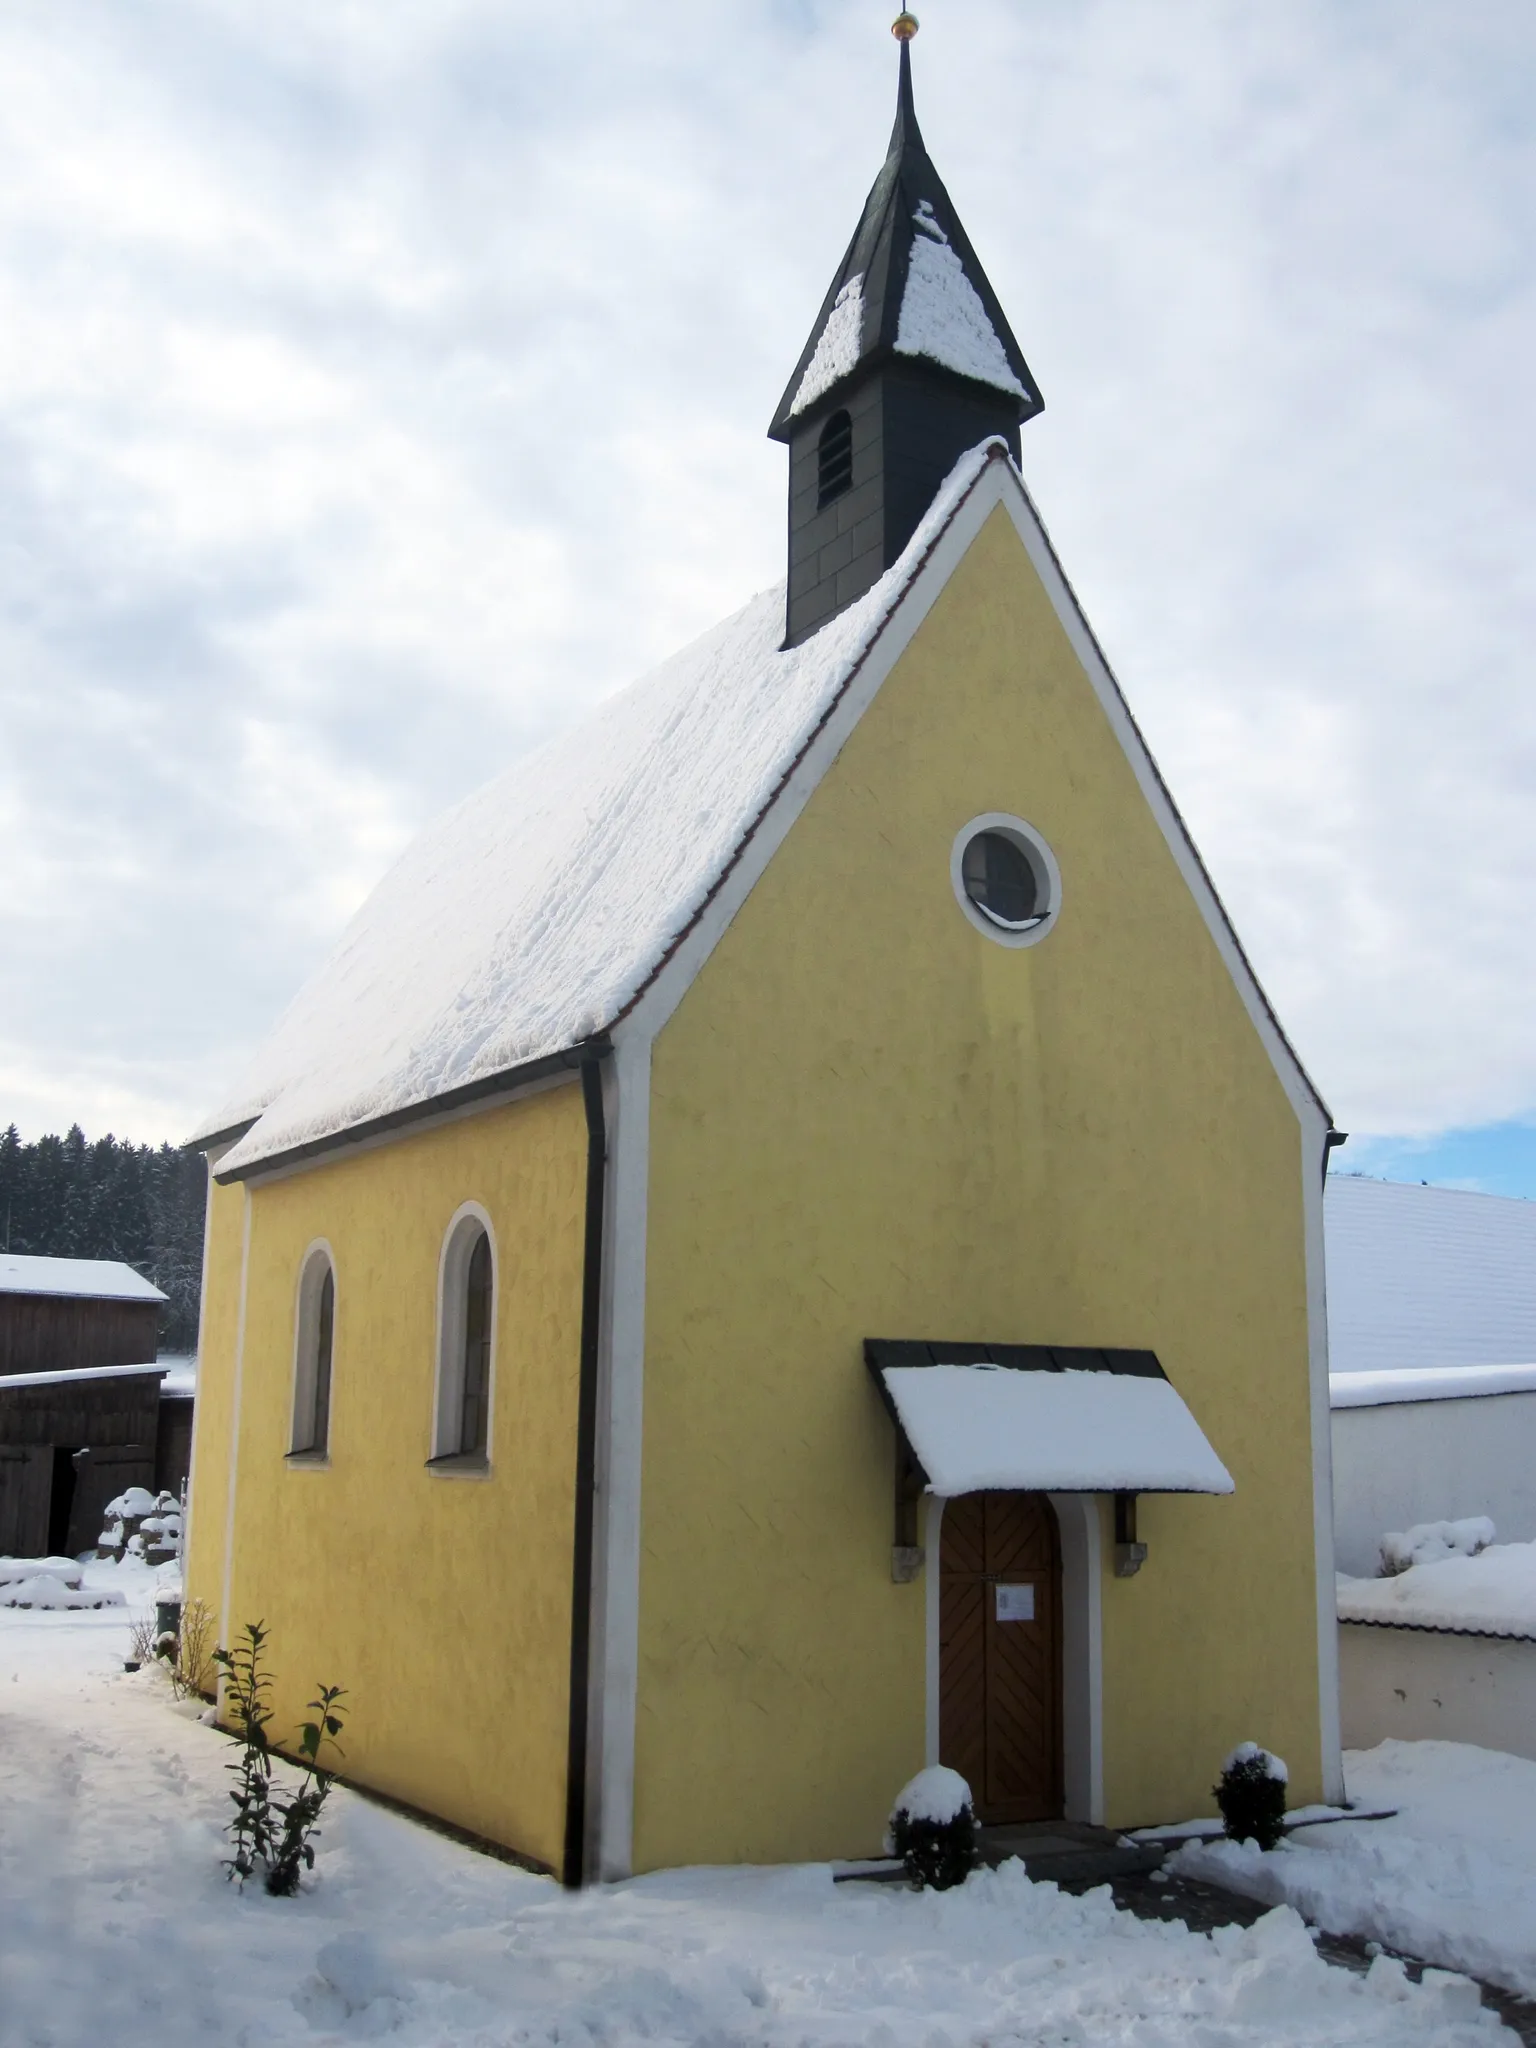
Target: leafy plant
269, 1830
300, 1813
248, 1685
1251, 1795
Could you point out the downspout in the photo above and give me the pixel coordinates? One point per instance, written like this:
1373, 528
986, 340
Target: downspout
572, 1867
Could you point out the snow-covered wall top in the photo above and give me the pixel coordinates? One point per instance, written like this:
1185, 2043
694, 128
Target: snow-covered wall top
1421, 1383
531, 916
1492, 1594
89, 1279
1423, 1276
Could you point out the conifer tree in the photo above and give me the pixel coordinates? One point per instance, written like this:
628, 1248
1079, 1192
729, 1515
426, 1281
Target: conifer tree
74, 1198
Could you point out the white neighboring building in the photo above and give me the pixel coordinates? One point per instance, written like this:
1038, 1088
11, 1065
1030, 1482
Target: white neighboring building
1432, 1349
1427, 1276
1412, 1447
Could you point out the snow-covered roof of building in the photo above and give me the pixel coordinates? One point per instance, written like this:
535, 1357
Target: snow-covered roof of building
528, 920
974, 1425
1391, 1389
89, 1279
910, 284
1423, 1276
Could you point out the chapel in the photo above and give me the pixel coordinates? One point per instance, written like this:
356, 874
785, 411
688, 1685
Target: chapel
784, 1244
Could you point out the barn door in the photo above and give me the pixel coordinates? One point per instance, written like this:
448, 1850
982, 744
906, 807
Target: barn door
1000, 1653
26, 1480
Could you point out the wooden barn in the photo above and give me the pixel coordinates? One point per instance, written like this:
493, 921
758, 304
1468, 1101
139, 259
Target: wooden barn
84, 1408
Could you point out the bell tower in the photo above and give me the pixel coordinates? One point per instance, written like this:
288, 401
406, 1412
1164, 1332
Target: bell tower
910, 363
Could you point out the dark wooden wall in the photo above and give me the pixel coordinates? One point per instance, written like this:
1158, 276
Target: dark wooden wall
67, 1333
51, 1500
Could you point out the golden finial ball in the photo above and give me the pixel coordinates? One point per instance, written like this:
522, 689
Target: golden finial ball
904, 27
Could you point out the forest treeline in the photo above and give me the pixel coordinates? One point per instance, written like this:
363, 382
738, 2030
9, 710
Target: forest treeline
77, 1198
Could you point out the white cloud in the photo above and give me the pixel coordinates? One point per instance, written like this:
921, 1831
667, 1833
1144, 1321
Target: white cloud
379, 384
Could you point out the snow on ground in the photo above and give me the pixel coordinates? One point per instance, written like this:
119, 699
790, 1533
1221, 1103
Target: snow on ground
1451, 1879
116, 1924
1493, 1593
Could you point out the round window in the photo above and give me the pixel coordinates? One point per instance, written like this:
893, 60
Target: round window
1006, 879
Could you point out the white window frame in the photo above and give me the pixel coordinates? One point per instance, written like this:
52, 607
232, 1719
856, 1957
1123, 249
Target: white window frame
447, 1457
1042, 861
318, 1260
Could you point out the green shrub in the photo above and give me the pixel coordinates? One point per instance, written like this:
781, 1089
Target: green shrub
933, 1829
1251, 1795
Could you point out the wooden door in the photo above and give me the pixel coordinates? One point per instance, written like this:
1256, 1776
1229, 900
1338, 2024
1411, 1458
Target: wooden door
26, 1482
1000, 1653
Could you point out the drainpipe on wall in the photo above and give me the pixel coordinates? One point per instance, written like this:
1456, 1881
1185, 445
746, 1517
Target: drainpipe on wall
572, 1866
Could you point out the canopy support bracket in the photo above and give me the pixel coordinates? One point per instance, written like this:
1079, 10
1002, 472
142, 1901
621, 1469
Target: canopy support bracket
1130, 1555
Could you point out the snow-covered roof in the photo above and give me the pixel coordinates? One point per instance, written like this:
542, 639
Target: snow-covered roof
910, 284
1420, 1383
528, 919
89, 1279
975, 1427
77, 1372
1423, 1276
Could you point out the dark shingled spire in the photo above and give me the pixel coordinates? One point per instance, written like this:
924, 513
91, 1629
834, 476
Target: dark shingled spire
880, 255
910, 363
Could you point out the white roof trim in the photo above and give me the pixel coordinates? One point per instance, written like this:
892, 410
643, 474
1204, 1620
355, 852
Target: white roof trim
976, 1428
998, 482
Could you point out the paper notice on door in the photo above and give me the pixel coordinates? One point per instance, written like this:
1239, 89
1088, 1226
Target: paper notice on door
1015, 1603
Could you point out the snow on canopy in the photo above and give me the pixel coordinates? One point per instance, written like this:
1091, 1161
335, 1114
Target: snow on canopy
979, 1427
530, 917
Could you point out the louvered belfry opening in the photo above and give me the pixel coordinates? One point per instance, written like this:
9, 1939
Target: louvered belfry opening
910, 363
834, 458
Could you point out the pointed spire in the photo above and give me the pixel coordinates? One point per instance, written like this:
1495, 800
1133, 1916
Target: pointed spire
904, 28
910, 284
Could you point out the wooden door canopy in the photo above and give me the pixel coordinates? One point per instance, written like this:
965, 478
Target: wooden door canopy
972, 1418
1041, 1418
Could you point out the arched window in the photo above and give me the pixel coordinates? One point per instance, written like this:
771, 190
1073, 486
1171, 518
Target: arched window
314, 1342
466, 1333
834, 459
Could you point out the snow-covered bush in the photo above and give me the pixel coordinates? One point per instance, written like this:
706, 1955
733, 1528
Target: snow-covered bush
1433, 1543
933, 1829
1251, 1795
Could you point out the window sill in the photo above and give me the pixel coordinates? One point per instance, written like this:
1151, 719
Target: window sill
460, 1465
311, 1458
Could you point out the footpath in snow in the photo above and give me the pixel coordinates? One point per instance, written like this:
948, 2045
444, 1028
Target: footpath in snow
116, 1924
1452, 1879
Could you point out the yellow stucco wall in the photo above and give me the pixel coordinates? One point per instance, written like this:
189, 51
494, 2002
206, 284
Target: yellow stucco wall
441, 1603
869, 1120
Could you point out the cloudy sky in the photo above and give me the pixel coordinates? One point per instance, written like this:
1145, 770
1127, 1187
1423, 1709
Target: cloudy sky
384, 381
